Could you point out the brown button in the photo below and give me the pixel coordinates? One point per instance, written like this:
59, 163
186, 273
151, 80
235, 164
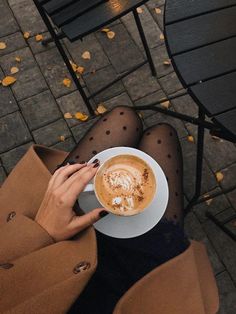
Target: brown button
11, 216
82, 266
6, 266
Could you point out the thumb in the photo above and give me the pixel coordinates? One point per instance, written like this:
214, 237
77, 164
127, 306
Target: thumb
79, 223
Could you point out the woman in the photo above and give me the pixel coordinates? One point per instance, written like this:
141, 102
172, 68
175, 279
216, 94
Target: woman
45, 272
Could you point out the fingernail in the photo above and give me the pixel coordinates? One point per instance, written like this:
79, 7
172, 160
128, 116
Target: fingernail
95, 161
103, 214
96, 165
82, 162
71, 162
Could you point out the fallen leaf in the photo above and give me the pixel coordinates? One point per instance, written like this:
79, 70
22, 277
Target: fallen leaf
14, 70
165, 104
216, 138
162, 37
208, 202
139, 10
2, 46
96, 113
101, 109
26, 35
86, 55
158, 11
105, 30
62, 138
74, 66
111, 34
167, 62
18, 59
190, 139
67, 82
81, 116
219, 176
68, 115
8, 80
140, 114
39, 37
80, 70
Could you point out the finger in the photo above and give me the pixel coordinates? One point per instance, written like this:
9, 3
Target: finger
64, 174
79, 223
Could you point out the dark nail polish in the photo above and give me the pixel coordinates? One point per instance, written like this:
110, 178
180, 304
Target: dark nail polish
71, 162
96, 165
103, 214
82, 162
95, 161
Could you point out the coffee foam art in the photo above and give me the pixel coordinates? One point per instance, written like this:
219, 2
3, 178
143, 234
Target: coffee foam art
125, 185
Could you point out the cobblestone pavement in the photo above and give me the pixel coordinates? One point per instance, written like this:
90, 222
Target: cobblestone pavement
32, 110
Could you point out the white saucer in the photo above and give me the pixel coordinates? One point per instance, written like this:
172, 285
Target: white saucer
131, 226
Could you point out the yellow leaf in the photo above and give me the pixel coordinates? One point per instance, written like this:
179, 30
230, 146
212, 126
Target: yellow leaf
67, 82
81, 116
165, 104
208, 201
105, 30
162, 37
18, 59
86, 55
62, 138
96, 113
111, 35
158, 11
191, 139
140, 114
68, 115
80, 70
26, 35
101, 109
39, 37
14, 70
219, 176
74, 66
8, 80
139, 10
167, 62
2, 46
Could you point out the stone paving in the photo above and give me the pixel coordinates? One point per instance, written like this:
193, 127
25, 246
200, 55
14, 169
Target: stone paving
32, 111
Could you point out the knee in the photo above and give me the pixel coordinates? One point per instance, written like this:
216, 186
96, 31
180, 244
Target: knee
163, 128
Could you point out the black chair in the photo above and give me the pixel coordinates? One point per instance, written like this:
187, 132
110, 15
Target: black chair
74, 19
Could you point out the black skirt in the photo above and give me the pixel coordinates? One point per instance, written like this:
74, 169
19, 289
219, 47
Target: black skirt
121, 262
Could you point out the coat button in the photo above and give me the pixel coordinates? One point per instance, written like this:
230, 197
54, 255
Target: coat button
82, 266
6, 265
11, 216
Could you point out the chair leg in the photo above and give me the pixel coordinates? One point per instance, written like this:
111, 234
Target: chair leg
144, 41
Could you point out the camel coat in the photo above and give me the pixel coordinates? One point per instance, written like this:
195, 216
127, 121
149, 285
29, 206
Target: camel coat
40, 276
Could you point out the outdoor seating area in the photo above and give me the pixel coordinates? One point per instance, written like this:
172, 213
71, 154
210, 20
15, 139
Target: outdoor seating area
63, 64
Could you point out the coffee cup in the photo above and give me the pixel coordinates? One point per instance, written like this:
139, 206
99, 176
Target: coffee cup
124, 184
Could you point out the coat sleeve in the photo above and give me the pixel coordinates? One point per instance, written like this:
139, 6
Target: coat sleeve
21, 236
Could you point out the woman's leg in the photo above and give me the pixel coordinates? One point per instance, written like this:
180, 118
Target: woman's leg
162, 144
119, 127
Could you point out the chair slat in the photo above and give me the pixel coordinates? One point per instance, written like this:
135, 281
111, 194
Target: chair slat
54, 6
228, 121
201, 30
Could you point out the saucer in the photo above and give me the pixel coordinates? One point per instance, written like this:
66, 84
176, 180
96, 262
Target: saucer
124, 227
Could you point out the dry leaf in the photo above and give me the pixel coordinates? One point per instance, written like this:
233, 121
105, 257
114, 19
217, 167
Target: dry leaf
101, 109
80, 70
167, 62
208, 202
62, 138
165, 104
111, 34
39, 37
139, 10
67, 82
162, 37
8, 80
14, 70
26, 35
216, 138
2, 46
191, 139
158, 11
219, 176
18, 59
81, 116
86, 55
74, 66
68, 115
96, 113
105, 30
140, 114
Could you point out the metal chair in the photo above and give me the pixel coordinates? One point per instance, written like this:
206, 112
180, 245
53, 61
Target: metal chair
75, 19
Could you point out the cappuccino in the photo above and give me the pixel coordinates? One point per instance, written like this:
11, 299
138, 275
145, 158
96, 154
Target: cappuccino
125, 185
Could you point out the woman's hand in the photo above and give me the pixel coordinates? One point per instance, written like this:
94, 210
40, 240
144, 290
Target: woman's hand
56, 213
